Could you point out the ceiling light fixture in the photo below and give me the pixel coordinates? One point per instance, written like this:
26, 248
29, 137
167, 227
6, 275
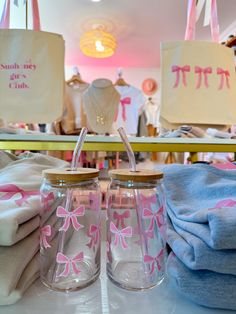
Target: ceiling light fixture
97, 44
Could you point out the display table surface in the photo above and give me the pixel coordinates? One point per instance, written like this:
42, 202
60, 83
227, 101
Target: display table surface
103, 297
114, 143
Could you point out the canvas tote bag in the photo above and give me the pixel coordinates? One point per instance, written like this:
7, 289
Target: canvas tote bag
31, 72
198, 78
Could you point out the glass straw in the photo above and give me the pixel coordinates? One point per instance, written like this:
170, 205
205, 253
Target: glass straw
139, 209
69, 192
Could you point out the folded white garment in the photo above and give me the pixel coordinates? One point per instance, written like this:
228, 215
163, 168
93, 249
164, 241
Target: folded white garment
6, 158
19, 264
13, 261
20, 205
29, 275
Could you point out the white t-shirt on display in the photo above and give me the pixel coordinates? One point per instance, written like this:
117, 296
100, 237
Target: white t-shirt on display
152, 112
130, 107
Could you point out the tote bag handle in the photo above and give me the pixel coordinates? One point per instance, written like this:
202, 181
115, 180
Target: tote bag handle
191, 21
5, 18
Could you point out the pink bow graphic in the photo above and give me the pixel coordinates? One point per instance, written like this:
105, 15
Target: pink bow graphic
158, 217
158, 261
94, 234
143, 234
120, 218
70, 263
177, 69
224, 203
202, 71
12, 189
70, 217
94, 201
46, 200
224, 77
120, 235
45, 232
147, 201
125, 101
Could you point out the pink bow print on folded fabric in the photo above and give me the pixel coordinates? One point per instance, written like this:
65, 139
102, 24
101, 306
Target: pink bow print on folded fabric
158, 217
70, 217
45, 232
155, 261
70, 263
94, 200
94, 233
224, 203
177, 69
224, 78
125, 101
120, 235
46, 200
120, 218
11, 190
202, 72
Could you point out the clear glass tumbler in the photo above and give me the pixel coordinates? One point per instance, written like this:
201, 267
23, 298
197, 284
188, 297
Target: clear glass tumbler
70, 228
136, 229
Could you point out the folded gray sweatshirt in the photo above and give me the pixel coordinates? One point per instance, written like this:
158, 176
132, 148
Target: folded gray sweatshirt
201, 200
201, 286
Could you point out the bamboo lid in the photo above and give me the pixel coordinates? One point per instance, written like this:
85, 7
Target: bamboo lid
67, 175
138, 176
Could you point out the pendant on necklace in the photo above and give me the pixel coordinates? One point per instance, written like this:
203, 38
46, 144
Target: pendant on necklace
100, 120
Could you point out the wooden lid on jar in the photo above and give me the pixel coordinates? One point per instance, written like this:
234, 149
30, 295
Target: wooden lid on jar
67, 175
137, 176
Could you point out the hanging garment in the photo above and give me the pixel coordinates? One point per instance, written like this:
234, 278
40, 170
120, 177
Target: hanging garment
131, 104
73, 117
152, 112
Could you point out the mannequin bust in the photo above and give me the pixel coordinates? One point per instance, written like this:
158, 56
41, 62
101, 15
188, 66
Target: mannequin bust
101, 102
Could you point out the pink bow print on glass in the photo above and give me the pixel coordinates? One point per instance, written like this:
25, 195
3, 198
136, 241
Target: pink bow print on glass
94, 233
180, 71
120, 235
46, 200
11, 190
120, 218
45, 232
155, 262
157, 217
94, 201
224, 78
70, 263
124, 102
202, 72
147, 201
142, 234
70, 217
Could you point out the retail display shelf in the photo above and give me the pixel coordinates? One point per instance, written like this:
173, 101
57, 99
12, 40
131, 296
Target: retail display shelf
103, 297
46, 142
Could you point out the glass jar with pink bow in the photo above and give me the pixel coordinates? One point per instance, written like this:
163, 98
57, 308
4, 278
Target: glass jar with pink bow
70, 228
136, 229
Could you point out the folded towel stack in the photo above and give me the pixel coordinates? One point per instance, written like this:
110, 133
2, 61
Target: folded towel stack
201, 204
20, 181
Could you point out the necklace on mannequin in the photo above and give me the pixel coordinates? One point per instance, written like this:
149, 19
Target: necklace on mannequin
101, 101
